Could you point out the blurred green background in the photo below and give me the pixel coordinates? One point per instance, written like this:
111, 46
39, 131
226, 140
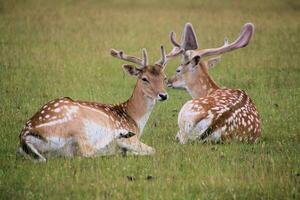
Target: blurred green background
50, 49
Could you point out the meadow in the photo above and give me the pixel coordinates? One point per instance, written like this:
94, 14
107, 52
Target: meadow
51, 49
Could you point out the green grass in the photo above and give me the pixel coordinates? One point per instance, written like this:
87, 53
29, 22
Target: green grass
53, 49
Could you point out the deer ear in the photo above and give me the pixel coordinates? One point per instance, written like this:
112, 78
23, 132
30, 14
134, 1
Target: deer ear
132, 70
211, 63
195, 60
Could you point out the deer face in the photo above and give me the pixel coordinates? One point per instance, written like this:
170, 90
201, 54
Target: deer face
192, 71
184, 73
153, 82
151, 79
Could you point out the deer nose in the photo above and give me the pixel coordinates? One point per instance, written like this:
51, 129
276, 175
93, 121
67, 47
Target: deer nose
162, 96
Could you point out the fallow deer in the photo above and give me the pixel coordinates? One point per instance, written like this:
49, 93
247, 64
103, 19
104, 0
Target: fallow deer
214, 114
67, 127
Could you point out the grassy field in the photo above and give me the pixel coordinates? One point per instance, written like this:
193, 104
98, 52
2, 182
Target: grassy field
54, 49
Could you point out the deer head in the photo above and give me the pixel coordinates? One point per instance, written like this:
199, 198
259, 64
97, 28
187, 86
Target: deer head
187, 73
193, 68
151, 78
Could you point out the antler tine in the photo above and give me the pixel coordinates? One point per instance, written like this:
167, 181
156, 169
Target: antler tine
226, 41
122, 56
177, 49
163, 59
145, 57
175, 52
189, 39
173, 39
242, 41
163, 53
188, 42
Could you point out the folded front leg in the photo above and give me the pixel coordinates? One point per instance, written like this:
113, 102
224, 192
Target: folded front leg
134, 146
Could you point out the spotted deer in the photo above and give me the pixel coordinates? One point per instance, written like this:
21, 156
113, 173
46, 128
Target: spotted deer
67, 127
214, 114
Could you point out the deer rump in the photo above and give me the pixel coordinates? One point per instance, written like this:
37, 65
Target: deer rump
219, 117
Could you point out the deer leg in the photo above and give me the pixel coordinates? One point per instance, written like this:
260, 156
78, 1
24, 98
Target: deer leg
85, 148
213, 136
134, 146
182, 136
29, 148
186, 132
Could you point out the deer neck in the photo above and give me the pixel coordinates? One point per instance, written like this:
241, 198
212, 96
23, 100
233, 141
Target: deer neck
201, 84
139, 106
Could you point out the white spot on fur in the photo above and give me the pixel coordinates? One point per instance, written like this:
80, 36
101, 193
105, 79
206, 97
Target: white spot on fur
51, 123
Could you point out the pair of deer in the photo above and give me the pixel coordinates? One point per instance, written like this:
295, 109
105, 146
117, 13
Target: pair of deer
65, 127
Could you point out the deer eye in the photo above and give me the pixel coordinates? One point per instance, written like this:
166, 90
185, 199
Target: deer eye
177, 70
145, 80
188, 62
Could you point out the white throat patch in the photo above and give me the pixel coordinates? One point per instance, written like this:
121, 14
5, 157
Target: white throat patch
143, 120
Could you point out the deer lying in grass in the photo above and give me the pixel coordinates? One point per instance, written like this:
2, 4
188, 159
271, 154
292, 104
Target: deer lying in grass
214, 114
67, 127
